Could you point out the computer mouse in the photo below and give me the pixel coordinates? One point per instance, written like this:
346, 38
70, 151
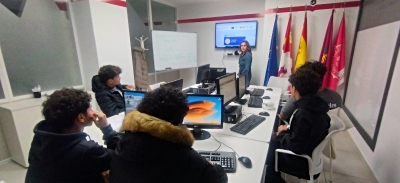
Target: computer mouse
245, 161
269, 89
263, 113
266, 97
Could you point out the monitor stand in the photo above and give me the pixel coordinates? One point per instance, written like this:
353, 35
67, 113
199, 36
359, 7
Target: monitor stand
241, 101
200, 134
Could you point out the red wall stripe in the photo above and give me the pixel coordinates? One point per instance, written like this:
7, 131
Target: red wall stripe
316, 7
220, 18
116, 2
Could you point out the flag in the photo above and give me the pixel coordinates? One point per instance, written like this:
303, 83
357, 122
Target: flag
286, 62
272, 67
336, 73
327, 49
302, 52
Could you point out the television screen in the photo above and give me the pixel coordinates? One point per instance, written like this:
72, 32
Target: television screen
231, 34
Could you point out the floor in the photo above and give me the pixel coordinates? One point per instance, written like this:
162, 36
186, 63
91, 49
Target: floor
349, 167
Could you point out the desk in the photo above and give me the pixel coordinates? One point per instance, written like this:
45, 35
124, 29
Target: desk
255, 150
263, 131
253, 145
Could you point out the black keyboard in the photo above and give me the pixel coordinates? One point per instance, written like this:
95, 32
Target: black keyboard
226, 159
257, 92
255, 102
248, 124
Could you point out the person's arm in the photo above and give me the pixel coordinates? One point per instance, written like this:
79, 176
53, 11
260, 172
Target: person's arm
247, 64
208, 173
288, 109
109, 107
296, 139
110, 136
98, 157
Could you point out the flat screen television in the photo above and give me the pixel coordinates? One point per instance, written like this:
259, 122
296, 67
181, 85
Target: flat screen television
231, 34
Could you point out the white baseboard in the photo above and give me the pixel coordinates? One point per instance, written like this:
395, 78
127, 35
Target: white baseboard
2, 162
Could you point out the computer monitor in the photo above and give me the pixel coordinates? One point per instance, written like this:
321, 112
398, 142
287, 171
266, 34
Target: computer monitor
226, 86
216, 73
241, 85
178, 84
205, 112
132, 100
202, 73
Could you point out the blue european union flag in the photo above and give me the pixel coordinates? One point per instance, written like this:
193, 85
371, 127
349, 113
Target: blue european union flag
272, 67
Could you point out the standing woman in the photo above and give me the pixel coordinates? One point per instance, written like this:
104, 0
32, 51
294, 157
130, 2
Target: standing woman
245, 60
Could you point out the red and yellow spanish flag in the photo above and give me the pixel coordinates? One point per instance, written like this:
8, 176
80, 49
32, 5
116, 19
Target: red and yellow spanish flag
302, 52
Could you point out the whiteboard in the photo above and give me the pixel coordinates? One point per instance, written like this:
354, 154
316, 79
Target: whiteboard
174, 50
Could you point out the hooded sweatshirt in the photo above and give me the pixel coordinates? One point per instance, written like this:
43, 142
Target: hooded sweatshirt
110, 100
153, 150
56, 157
308, 127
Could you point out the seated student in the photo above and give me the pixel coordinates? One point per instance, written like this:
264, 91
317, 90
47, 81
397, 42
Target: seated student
59, 150
309, 126
156, 147
108, 90
333, 99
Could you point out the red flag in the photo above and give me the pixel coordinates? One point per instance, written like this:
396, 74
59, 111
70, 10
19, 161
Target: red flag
336, 74
326, 51
286, 62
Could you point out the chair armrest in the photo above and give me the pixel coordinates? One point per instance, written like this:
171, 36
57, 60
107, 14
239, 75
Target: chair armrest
309, 160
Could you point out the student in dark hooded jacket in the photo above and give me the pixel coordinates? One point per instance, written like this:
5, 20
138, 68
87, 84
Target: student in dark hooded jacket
309, 126
157, 148
108, 90
60, 151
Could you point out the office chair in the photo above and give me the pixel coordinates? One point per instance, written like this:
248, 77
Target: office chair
279, 82
315, 164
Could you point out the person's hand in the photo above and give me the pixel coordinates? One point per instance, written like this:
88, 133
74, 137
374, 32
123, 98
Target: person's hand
281, 128
100, 120
130, 87
106, 176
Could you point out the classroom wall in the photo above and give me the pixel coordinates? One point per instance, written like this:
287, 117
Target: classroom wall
111, 31
385, 159
207, 53
317, 24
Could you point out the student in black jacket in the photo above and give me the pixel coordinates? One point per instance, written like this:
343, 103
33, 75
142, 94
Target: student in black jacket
308, 127
108, 90
157, 148
60, 151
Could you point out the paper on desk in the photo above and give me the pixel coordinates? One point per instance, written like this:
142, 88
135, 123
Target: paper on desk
116, 121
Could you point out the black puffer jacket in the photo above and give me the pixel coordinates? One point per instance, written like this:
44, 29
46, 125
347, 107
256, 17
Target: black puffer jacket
66, 158
153, 151
111, 103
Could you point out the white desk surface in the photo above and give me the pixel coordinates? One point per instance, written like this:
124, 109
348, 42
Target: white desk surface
263, 131
256, 151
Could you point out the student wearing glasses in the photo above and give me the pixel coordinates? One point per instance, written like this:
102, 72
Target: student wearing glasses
245, 60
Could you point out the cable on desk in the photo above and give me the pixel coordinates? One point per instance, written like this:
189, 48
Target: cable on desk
224, 145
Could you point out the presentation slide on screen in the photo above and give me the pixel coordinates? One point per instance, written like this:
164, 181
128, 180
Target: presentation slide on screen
232, 34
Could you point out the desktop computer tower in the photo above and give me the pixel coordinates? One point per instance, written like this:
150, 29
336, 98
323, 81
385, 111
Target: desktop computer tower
233, 116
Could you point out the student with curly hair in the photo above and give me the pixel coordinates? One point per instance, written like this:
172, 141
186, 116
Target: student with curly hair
108, 90
156, 147
333, 99
308, 127
60, 151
